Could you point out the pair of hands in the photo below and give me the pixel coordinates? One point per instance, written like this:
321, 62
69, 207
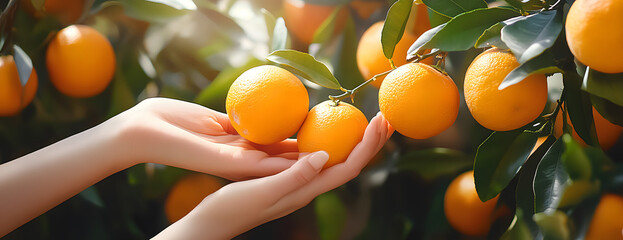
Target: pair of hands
189, 136
203, 140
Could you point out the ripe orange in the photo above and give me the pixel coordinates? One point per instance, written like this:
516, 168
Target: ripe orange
607, 133
594, 35
267, 104
365, 8
370, 57
419, 101
607, 222
187, 193
507, 109
334, 129
303, 19
464, 210
80, 61
14, 97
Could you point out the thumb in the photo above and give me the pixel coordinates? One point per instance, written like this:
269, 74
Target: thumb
301, 173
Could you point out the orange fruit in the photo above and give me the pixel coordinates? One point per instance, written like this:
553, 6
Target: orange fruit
507, 109
419, 101
539, 141
370, 57
80, 61
13, 96
365, 8
594, 35
607, 222
187, 193
336, 129
267, 104
607, 133
464, 210
303, 19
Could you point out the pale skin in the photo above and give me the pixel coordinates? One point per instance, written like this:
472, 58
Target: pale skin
185, 135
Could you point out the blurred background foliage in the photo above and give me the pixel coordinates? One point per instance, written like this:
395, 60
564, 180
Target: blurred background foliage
193, 51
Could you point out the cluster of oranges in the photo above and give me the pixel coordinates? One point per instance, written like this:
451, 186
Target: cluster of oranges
80, 61
419, 101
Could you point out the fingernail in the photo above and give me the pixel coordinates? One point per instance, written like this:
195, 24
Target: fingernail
318, 159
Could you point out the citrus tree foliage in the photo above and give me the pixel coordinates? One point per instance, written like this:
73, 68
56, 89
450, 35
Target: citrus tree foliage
194, 50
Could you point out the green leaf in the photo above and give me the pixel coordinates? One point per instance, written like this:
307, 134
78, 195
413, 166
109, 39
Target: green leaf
280, 38
214, 95
306, 66
23, 63
177, 4
524, 196
550, 179
499, 158
575, 160
554, 225
542, 64
330, 214
608, 110
434, 162
462, 31
437, 19
579, 108
578, 191
394, 26
519, 229
451, 8
533, 34
344, 59
326, 29
608, 86
527, 5
270, 21
91, 195
491, 37
153, 11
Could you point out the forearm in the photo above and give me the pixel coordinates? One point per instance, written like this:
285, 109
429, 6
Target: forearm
35, 183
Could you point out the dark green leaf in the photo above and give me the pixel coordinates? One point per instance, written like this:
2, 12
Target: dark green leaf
530, 36
394, 26
462, 31
542, 64
214, 95
527, 5
554, 225
550, 179
435, 162
436, 19
280, 38
91, 195
499, 158
306, 66
608, 110
579, 108
524, 193
330, 214
451, 8
608, 86
23, 63
575, 160
491, 37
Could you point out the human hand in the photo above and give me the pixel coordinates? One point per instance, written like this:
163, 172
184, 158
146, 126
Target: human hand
240, 206
187, 135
